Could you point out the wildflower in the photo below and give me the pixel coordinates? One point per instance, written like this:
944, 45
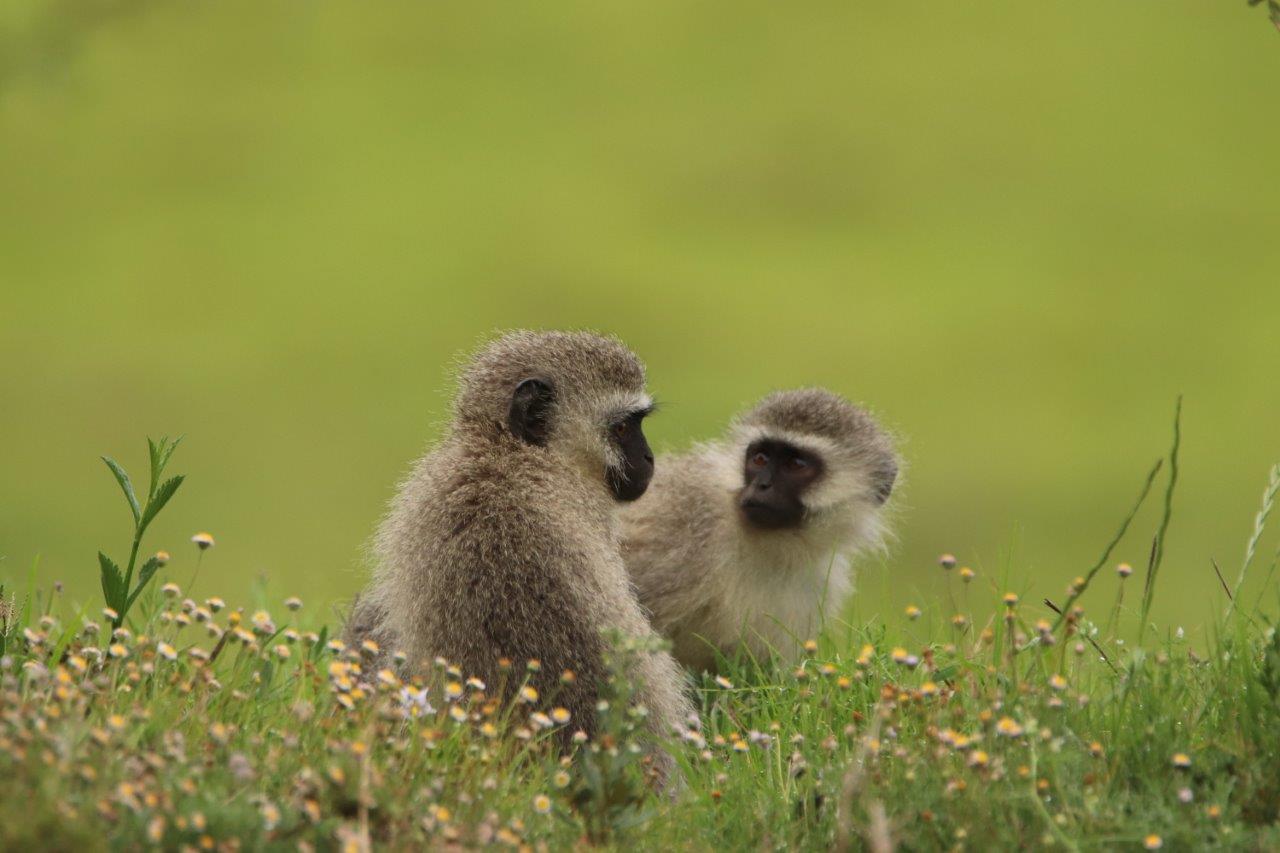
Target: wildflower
117, 650
811, 646
561, 779
1124, 570
204, 541
560, 715
724, 682
1214, 811
1008, 727
1010, 599
1181, 760
458, 713
929, 689
978, 758
110, 614
1185, 795
967, 574
167, 651
1153, 842
1057, 682
533, 665
541, 720
215, 604
947, 561
913, 612
568, 677
475, 684
293, 603
282, 651
900, 655
262, 622
959, 620
542, 804
370, 648
171, 590
1095, 749
580, 736
336, 646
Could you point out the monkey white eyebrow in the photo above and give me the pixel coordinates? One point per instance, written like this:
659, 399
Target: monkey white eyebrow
630, 405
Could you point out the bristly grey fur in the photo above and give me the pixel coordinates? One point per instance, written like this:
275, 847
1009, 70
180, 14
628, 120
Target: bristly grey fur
499, 548
713, 583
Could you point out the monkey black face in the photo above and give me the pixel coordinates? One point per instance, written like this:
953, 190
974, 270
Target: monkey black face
632, 479
776, 476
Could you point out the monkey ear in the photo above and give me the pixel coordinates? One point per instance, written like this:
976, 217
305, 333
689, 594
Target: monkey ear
885, 478
530, 414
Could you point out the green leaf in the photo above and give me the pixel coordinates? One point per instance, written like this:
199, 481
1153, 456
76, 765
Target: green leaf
149, 568
123, 479
159, 499
112, 583
160, 453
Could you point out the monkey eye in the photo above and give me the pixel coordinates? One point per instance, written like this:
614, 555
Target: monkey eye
620, 428
760, 460
798, 463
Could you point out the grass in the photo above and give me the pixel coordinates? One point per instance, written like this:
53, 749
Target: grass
966, 724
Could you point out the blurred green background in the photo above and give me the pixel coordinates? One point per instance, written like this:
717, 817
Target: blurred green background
1017, 231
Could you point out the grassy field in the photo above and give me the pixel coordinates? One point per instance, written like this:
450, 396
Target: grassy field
969, 722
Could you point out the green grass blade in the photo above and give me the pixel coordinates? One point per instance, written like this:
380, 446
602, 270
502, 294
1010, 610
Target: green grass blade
1259, 525
1148, 591
1106, 553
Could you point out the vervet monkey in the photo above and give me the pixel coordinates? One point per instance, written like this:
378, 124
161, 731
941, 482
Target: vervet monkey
503, 542
744, 544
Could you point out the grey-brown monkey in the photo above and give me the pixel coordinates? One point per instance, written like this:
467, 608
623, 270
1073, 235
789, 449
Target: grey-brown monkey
503, 542
745, 543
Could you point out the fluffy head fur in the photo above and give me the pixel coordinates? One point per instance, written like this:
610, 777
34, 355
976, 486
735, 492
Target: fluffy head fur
495, 547
711, 581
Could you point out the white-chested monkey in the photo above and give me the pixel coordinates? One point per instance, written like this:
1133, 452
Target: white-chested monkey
744, 544
503, 542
